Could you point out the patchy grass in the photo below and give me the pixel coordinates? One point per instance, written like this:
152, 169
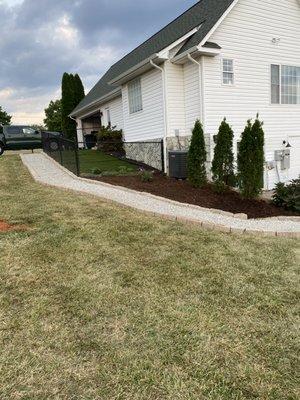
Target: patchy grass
91, 160
102, 302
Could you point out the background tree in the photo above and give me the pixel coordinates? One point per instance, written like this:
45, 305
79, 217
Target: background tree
78, 89
72, 94
251, 159
53, 116
5, 119
38, 127
222, 165
197, 157
67, 106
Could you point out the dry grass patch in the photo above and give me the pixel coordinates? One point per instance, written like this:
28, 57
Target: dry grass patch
102, 302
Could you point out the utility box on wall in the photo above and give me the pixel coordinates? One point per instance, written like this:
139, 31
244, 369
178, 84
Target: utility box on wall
178, 164
284, 157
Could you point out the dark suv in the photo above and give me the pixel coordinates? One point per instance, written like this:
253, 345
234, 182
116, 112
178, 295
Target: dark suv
19, 137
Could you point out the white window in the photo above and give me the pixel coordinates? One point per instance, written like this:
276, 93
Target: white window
285, 84
228, 72
108, 118
135, 96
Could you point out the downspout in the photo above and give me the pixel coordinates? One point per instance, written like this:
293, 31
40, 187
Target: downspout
165, 112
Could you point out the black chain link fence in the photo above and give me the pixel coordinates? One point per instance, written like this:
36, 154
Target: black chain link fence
109, 156
62, 150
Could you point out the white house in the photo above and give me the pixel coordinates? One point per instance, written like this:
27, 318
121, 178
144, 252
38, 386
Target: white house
221, 58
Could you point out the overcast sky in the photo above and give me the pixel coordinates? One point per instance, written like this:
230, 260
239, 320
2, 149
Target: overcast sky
41, 39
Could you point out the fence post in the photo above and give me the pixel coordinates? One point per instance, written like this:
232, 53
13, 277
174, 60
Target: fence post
60, 152
48, 142
77, 157
162, 156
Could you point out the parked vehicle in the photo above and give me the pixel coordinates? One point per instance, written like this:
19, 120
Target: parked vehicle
20, 137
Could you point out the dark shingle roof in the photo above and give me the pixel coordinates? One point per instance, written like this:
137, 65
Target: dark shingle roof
205, 13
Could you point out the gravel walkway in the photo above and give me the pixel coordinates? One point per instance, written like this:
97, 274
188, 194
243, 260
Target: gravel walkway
46, 171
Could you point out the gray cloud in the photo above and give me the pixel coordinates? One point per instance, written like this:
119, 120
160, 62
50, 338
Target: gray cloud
42, 39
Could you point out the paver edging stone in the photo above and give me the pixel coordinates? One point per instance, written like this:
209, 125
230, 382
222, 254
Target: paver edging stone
203, 224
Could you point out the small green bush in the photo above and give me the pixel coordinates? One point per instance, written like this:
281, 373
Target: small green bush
110, 140
197, 157
147, 176
96, 171
288, 196
251, 160
222, 165
124, 170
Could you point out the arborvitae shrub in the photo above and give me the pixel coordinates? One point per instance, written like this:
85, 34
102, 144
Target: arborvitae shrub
222, 165
67, 106
251, 160
197, 157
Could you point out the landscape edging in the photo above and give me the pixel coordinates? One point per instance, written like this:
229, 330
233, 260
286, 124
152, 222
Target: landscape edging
196, 222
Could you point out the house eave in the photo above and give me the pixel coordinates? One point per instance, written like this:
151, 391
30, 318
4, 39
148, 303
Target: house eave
90, 107
196, 51
137, 70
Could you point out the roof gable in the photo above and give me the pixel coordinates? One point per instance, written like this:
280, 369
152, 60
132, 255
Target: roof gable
204, 14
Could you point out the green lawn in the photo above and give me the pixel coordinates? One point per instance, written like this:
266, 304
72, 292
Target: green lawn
91, 159
102, 302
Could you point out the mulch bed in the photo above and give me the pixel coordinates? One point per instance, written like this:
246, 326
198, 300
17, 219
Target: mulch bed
206, 197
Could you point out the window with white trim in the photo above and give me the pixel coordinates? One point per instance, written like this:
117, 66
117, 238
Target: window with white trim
135, 96
228, 71
285, 84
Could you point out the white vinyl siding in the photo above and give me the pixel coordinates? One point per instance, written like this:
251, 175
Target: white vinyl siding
112, 112
246, 36
192, 95
175, 99
147, 124
135, 96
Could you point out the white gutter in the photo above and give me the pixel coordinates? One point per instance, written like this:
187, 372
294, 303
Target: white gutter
165, 111
133, 69
201, 88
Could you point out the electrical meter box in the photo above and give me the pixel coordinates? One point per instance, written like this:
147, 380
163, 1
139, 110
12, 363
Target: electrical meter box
284, 157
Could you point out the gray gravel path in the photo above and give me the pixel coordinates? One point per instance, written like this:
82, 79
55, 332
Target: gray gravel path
46, 171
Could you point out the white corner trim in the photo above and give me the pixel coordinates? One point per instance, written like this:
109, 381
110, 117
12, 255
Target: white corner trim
216, 26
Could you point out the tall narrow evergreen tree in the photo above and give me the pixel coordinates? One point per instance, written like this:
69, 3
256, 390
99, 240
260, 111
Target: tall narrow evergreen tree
197, 157
67, 106
78, 89
72, 94
222, 165
251, 159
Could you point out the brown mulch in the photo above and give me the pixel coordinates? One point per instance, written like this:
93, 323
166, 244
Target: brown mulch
206, 197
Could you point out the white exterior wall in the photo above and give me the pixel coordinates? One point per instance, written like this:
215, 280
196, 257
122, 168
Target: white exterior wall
147, 124
191, 95
246, 37
175, 98
115, 107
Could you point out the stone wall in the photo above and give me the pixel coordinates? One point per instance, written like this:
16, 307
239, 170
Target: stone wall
183, 143
148, 152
